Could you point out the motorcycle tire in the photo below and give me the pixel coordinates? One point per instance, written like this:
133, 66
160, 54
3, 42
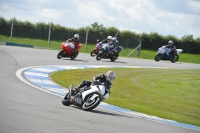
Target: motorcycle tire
90, 105
66, 100
74, 56
93, 53
114, 57
60, 54
99, 56
175, 59
157, 57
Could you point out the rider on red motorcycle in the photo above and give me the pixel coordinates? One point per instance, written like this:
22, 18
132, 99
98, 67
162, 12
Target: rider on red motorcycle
75, 40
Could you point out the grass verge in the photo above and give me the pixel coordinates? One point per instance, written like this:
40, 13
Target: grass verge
167, 93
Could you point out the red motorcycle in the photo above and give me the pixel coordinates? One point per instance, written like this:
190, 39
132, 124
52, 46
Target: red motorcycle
96, 49
67, 50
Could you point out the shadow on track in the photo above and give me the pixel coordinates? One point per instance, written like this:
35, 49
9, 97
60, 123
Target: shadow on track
74, 60
115, 61
96, 111
111, 114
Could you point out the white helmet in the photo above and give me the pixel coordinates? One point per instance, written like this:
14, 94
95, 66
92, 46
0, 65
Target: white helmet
109, 38
76, 37
170, 42
110, 76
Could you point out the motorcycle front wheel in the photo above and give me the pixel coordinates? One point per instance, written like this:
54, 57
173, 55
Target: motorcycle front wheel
66, 100
157, 57
99, 56
60, 54
93, 53
91, 104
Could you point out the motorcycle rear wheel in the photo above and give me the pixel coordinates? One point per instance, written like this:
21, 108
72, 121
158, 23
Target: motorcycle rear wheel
175, 59
114, 57
74, 56
88, 105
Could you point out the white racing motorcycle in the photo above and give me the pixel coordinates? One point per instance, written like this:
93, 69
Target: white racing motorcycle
164, 54
88, 98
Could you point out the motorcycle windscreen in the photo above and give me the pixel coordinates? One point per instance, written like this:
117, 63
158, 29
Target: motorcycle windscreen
106, 96
70, 45
105, 46
79, 46
179, 51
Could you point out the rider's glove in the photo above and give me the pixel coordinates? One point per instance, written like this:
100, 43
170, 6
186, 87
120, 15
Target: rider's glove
96, 82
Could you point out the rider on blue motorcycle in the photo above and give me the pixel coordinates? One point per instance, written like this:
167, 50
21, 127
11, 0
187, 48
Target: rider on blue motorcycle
114, 45
172, 47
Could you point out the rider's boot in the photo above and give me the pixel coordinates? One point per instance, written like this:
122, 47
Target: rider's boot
65, 97
75, 90
72, 99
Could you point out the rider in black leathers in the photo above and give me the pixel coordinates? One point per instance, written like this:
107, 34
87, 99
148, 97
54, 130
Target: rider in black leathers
114, 45
107, 40
107, 79
172, 47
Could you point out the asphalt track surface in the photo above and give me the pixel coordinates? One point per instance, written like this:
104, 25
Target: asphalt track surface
26, 109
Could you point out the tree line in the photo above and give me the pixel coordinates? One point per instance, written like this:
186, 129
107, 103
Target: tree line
150, 41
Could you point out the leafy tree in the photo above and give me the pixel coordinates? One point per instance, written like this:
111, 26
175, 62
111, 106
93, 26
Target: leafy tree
129, 34
187, 42
187, 38
5, 26
150, 41
112, 31
96, 28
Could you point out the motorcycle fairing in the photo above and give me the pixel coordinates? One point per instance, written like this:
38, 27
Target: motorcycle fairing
100, 89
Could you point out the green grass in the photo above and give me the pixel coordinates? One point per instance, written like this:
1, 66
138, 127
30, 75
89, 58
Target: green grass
167, 93
145, 54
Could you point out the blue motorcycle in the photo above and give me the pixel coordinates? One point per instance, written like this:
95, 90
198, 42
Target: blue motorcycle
164, 54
